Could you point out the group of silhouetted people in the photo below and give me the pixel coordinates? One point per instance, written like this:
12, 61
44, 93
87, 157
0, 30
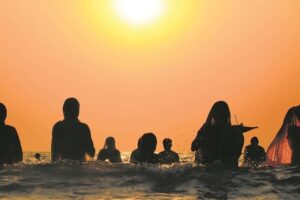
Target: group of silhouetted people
216, 141
145, 152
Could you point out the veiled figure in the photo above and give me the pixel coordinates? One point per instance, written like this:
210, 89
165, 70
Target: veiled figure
218, 139
280, 150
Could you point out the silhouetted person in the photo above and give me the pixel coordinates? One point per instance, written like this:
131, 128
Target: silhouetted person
254, 154
71, 139
294, 136
134, 153
109, 151
168, 156
145, 152
37, 156
218, 139
10, 146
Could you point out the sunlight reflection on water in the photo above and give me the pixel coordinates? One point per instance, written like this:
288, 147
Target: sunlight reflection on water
98, 180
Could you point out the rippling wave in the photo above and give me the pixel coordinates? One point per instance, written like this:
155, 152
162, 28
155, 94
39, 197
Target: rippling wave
100, 180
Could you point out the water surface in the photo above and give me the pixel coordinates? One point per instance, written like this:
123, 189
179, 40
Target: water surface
99, 180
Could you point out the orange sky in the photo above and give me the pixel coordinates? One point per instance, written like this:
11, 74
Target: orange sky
163, 78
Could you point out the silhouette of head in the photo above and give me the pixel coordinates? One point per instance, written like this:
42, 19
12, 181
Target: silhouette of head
3, 113
139, 143
38, 156
254, 141
148, 143
219, 114
297, 112
71, 108
167, 144
289, 116
110, 143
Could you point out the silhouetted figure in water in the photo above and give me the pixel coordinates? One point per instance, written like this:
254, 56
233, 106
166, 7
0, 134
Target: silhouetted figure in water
218, 139
145, 152
254, 154
294, 136
168, 156
134, 153
10, 146
71, 139
280, 150
109, 151
37, 156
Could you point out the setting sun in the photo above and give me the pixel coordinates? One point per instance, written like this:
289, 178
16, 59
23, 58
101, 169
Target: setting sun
139, 12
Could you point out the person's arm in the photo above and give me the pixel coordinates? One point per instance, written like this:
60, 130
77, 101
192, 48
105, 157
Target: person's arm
196, 144
119, 160
239, 143
101, 155
198, 141
246, 154
177, 158
246, 157
133, 158
18, 153
160, 157
263, 155
89, 146
55, 144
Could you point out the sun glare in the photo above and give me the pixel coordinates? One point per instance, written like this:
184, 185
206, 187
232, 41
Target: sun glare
139, 12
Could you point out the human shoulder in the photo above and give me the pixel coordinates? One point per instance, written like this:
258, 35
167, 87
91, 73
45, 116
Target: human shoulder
261, 148
10, 128
248, 147
58, 124
102, 151
11, 132
206, 129
84, 126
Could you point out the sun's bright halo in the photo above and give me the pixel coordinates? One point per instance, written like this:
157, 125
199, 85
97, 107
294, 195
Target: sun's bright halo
139, 12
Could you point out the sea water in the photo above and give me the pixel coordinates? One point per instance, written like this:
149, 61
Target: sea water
101, 180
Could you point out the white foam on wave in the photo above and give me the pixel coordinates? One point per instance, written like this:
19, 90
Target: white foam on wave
95, 179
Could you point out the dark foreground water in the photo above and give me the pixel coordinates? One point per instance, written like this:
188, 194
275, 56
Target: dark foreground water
98, 180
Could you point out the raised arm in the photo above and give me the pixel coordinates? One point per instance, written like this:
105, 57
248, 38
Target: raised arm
118, 159
263, 155
101, 155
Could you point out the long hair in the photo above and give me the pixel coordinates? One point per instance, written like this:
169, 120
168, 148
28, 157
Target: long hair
219, 114
148, 143
110, 142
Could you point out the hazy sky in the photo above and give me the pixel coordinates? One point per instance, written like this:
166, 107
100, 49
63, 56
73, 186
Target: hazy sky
163, 77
